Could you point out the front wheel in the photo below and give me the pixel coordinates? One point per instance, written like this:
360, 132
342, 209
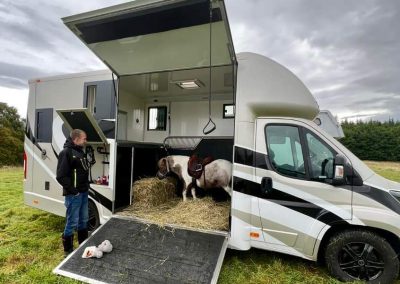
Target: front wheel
94, 219
361, 255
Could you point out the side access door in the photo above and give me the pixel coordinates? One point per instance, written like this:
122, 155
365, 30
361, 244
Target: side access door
297, 199
148, 253
84, 120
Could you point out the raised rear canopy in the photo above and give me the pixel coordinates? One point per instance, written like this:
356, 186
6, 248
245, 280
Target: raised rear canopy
146, 36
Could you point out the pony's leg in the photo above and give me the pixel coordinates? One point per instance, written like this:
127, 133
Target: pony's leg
194, 193
184, 193
193, 190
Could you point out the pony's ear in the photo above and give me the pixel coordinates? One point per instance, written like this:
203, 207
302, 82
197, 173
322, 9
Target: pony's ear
162, 163
166, 163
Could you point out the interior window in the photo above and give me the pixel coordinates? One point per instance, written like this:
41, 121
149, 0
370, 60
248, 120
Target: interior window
229, 111
157, 118
284, 150
321, 158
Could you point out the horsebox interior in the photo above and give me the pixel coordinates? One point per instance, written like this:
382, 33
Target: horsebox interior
158, 116
176, 69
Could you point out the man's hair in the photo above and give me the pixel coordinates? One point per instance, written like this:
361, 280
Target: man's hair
76, 133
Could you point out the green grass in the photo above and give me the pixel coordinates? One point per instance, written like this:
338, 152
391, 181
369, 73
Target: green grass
30, 244
389, 170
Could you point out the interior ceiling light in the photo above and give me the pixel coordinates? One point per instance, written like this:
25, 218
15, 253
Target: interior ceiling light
190, 84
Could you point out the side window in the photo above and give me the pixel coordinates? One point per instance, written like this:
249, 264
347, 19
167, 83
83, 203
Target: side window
99, 98
44, 124
157, 118
91, 98
284, 150
321, 158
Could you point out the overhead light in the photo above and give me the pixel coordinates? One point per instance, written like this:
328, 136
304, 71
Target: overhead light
190, 84
158, 82
153, 87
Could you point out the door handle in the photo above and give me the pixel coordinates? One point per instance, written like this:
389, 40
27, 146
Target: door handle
266, 185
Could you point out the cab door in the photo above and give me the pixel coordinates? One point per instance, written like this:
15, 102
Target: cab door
297, 201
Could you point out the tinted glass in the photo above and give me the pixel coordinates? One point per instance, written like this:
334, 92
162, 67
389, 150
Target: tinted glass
157, 118
321, 158
284, 150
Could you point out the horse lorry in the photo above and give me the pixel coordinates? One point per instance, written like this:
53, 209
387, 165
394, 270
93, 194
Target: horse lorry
176, 85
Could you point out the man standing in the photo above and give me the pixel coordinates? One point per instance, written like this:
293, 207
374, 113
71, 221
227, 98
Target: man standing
72, 174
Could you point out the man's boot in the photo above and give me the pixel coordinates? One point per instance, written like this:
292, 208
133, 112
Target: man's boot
68, 244
82, 235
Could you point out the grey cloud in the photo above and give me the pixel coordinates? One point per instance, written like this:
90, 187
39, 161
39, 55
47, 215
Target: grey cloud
13, 83
17, 76
34, 30
353, 45
26, 37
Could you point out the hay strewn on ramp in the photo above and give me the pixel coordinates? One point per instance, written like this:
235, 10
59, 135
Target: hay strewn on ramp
155, 201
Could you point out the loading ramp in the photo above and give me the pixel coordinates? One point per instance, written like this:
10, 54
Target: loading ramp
148, 253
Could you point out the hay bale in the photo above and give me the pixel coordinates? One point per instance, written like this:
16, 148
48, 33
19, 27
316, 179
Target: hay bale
150, 192
200, 214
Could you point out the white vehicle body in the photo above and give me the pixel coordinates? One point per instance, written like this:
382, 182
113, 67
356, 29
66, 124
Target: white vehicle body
295, 213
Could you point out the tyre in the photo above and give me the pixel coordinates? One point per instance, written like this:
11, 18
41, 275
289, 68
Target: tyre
361, 255
94, 219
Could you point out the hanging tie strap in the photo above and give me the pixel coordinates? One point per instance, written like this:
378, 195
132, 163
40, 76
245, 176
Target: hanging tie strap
210, 124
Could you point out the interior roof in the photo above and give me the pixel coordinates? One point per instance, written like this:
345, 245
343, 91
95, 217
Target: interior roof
166, 88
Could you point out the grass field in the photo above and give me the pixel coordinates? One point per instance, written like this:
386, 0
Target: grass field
30, 245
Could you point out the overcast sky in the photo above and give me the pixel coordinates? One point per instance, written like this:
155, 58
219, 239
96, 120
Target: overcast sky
347, 52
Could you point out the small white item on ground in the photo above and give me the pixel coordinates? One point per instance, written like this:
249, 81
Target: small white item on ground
92, 252
105, 246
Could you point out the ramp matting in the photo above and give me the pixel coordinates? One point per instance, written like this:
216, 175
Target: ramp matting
144, 253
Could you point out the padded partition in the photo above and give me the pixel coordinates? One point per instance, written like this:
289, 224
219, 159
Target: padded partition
123, 176
145, 158
216, 148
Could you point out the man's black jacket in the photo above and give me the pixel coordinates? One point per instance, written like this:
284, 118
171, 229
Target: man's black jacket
72, 169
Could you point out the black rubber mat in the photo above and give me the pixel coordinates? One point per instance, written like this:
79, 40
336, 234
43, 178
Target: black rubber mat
144, 253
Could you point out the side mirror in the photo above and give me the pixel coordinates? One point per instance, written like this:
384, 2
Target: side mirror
341, 169
343, 173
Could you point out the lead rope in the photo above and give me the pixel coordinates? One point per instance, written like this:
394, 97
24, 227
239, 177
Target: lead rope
210, 121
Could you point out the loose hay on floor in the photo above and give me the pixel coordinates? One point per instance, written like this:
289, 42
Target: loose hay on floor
151, 192
200, 214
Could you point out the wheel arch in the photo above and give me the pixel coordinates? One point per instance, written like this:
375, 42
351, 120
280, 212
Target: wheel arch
392, 239
93, 202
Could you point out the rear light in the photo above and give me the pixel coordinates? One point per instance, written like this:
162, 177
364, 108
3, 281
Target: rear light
25, 164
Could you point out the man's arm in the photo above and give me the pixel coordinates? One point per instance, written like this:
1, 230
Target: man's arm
64, 170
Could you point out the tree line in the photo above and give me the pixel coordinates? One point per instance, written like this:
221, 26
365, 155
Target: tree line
11, 136
373, 140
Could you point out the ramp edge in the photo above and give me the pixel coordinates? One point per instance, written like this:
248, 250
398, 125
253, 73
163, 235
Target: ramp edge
220, 261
